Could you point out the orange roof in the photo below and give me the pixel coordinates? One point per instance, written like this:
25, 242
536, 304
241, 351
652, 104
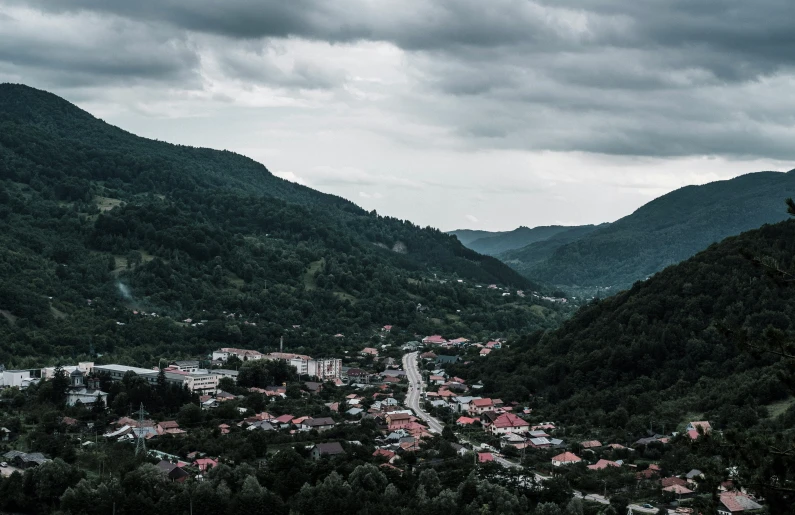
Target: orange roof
603, 464
567, 457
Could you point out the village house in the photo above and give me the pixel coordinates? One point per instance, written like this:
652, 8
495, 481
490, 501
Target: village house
509, 423
513, 440
693, 427
485, 352
318, 424
479, 406
435, 339
567, 458
320, 450
24, 460
398, 420
173, 471
732, 503
603, 464
485, 457
591, 444
369, 351
436, 380
443, 360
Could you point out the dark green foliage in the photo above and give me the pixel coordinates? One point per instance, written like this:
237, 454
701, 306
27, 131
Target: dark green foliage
663, 349
96, 222
663, 232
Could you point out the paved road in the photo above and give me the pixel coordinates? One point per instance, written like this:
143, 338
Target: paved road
636, 508
413, 398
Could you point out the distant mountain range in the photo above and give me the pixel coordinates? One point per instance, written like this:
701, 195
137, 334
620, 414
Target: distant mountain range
663, 232
494, 243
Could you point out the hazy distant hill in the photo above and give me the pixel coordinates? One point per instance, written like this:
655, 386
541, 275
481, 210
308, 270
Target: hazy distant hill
85, 206
493, 245
663, 232
467, 236
539, 251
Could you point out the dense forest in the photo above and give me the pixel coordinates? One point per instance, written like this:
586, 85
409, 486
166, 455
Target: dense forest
663, 232
691, 343
97, 224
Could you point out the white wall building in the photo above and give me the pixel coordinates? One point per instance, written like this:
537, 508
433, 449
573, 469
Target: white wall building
16, 377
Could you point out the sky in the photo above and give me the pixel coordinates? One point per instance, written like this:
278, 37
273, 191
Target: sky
453, 114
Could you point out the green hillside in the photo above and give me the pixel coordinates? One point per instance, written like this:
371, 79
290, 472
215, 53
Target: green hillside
665, 348
96, 223
663, 232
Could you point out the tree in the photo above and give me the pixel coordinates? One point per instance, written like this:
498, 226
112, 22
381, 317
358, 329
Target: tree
60, 383
189, 416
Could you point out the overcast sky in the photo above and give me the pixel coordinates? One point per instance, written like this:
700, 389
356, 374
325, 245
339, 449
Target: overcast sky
456, 114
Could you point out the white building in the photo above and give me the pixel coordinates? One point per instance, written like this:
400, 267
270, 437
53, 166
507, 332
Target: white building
225, 353
86, 367
16, 378
325, 368
79, 392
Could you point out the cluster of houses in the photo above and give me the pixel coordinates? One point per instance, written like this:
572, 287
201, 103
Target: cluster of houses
440, 342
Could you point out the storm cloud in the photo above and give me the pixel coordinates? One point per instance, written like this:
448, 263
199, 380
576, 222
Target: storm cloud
638, 82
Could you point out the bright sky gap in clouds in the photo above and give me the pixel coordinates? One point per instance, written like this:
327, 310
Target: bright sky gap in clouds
475, 114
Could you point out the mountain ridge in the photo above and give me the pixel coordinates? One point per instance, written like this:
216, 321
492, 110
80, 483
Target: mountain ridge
663, 232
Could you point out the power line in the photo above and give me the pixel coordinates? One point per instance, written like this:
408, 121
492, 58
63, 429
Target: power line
140, 444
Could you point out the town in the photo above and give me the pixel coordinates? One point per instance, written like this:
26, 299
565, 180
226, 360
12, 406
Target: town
397, 407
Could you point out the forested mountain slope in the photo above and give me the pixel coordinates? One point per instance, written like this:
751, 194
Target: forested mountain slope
539, 251
518, 238
663, 232
96, 222
665, 350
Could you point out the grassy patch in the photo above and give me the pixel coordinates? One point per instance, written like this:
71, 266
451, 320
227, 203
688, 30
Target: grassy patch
57, 313
107, 203
309, 276
345, 296
8, 316
778, 408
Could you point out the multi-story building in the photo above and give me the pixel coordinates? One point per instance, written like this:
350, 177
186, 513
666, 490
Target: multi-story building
84, 366
195, 381
325, 368
243, 354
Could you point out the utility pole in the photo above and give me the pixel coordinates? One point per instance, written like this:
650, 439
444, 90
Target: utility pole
140, 444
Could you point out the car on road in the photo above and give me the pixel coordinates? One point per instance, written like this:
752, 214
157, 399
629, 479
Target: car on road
4, 464
647, 505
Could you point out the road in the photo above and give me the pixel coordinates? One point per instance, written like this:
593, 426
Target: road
414, 396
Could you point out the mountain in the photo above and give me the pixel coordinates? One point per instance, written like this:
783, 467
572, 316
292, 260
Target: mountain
539, 251
666, 351
97, 223
467, 236
663, 232
493, 245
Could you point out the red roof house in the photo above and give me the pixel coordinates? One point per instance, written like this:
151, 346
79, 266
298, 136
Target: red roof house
567, 458
603, 464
